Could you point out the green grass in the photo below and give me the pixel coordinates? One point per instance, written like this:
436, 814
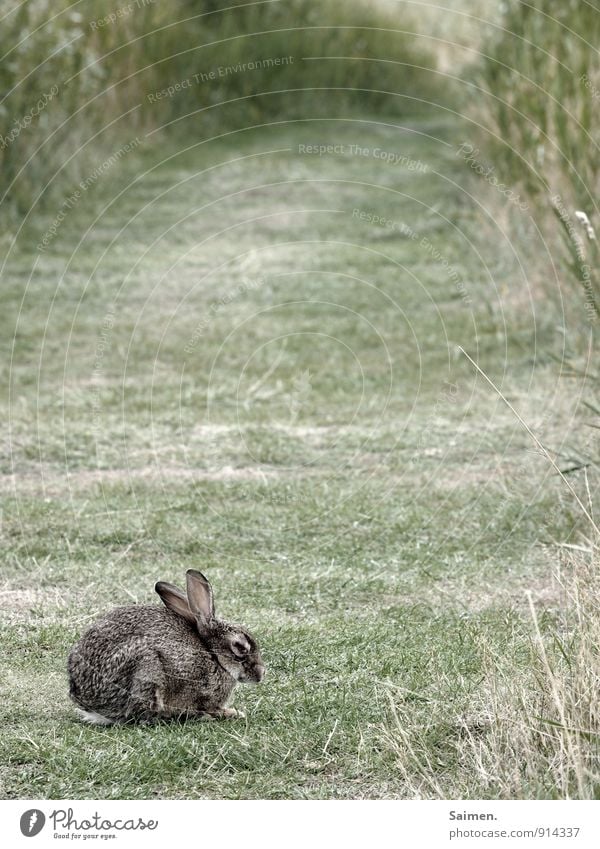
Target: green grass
76, 85
358, 497
539, 121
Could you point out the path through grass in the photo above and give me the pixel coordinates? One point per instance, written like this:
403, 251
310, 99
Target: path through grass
246, 361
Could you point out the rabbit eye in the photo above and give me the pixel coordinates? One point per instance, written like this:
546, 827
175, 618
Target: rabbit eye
239, 648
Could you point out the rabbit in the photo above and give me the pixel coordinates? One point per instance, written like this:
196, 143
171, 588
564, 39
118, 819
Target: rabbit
145, 663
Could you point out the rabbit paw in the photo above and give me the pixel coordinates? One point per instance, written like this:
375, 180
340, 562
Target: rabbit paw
232, 713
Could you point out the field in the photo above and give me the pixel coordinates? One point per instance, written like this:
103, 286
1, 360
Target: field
229, 363
323, 326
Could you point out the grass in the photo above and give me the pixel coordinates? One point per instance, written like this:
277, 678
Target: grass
538, 112
77, 83
534, 735
313, 441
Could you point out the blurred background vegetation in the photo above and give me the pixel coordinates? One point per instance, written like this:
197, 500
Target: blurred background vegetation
77, 80
109, 75
540, 116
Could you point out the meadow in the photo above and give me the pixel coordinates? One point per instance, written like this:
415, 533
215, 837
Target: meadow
243, 351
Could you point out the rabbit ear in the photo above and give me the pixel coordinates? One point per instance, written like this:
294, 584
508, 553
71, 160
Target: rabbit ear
175, 600
200, 595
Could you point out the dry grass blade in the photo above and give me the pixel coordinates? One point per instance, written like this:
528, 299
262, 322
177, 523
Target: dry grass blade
542, 448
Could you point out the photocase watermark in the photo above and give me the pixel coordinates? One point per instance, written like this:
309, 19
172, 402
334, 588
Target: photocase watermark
469, 154
246, 286
74, 198
242, 67
577, 241
22, 123
218, 73
322, 149
32, 822
287, 395
119, 14
390, 157
387, 223
424, 242
450, 269
85, 828
447, 395
591, 87
108, 322
66, 820
298, 395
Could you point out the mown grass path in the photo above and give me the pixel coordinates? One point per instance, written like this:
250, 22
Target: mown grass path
246, 361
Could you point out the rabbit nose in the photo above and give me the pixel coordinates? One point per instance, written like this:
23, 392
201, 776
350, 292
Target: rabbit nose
260, 671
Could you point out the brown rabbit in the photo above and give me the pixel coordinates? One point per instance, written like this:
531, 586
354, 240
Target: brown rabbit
146, 662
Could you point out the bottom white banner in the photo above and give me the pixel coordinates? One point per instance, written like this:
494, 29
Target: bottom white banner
269, 824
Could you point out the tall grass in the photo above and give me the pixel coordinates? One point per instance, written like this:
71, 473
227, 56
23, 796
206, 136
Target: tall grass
542, 76
530, 730
537, 734
527, 733
76, 81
